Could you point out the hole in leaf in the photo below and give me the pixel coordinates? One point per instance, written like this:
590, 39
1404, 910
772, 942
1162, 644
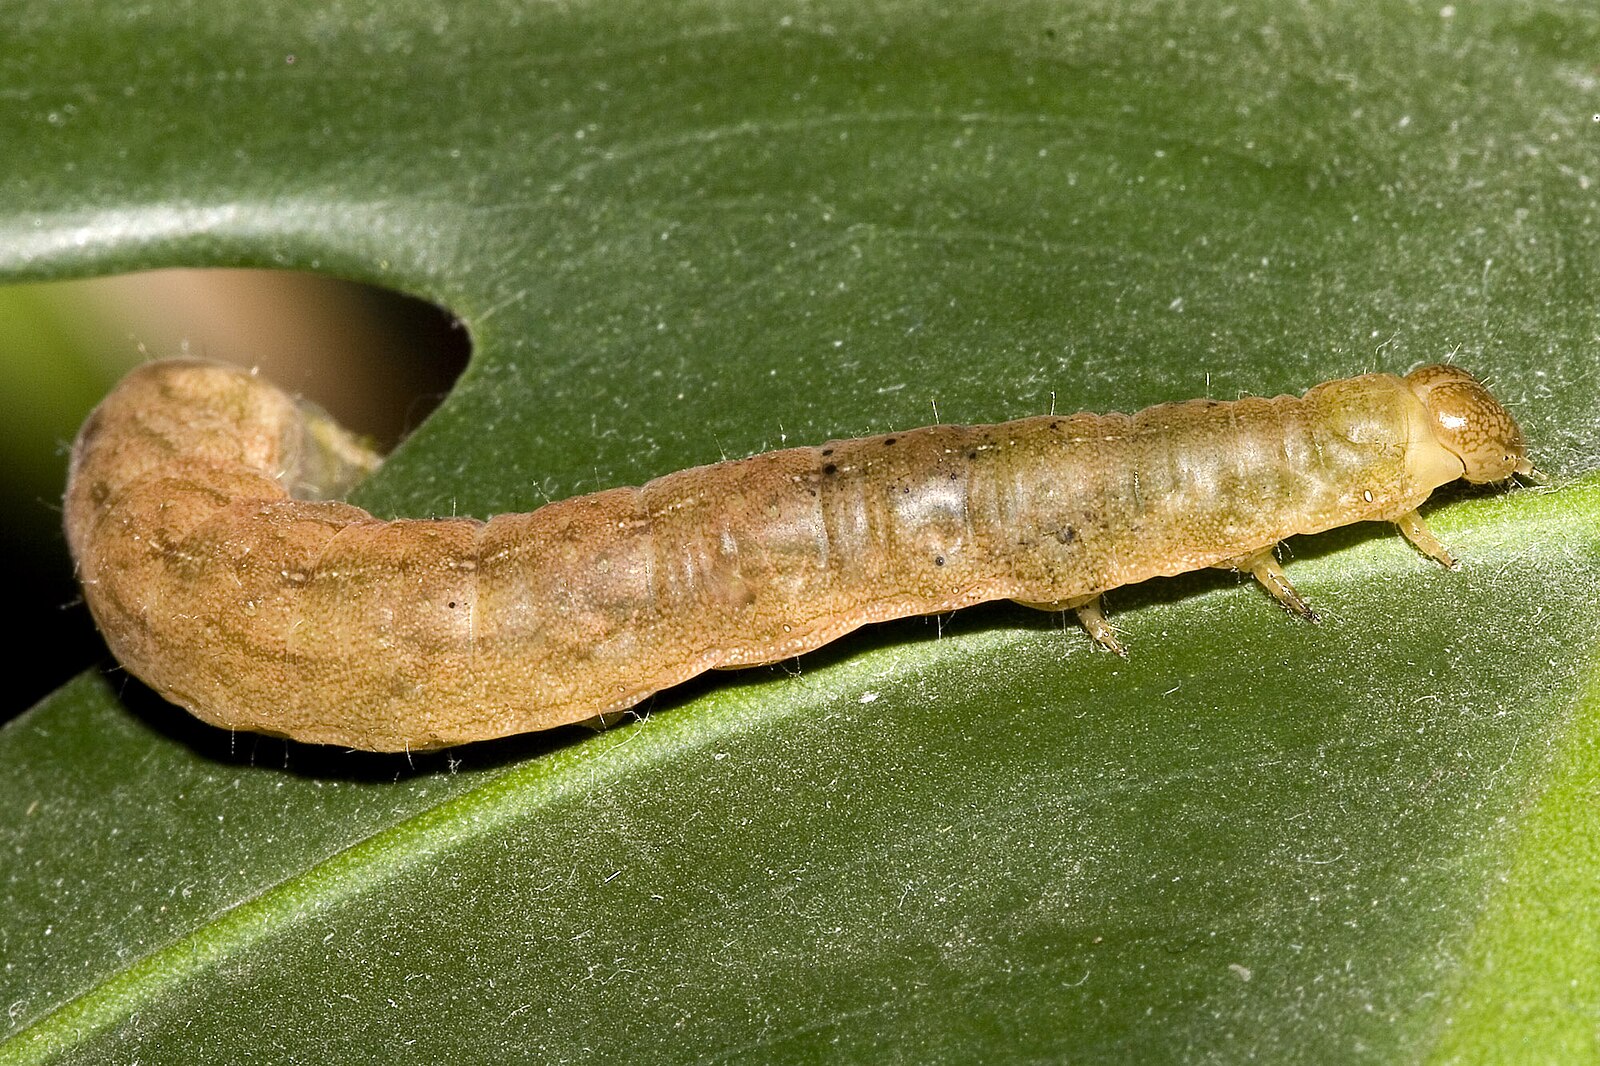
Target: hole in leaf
379, 361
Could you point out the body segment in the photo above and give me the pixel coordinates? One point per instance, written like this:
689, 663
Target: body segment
221, 575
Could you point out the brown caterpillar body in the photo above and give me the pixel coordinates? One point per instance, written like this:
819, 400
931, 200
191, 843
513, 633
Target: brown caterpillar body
222, 575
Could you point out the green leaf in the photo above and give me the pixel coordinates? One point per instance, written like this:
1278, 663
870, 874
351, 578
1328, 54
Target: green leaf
678, 234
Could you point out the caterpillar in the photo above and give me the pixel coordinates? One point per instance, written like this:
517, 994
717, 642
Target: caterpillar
202, 513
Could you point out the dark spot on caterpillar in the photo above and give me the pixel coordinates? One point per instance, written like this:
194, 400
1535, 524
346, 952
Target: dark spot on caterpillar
451, 605
972, 453
888, 441
1067, 535
830, 469
938, 560
827, 451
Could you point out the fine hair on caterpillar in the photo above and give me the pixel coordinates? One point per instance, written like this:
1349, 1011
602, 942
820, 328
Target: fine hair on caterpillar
202, 511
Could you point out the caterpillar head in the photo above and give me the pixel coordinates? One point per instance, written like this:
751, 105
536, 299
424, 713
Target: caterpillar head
1471, 424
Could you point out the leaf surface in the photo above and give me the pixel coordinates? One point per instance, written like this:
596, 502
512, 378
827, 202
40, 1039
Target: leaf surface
678, 234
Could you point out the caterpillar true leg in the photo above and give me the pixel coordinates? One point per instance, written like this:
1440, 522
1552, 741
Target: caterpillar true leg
1090, 614
1263, 566
1413, 529
1094, 620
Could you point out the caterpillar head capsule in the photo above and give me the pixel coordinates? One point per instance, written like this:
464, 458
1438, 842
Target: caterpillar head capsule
1471, 424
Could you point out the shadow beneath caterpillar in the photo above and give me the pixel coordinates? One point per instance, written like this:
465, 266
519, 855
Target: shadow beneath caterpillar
321, 761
